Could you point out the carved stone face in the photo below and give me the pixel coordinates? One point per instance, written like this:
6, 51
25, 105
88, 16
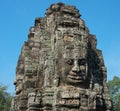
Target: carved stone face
18, 83
73, 70
72, 60
77, 74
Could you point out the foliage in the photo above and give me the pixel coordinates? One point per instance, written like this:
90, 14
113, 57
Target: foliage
5, 98
114, 90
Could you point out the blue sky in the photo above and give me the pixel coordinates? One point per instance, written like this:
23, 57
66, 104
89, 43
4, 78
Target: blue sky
102, 17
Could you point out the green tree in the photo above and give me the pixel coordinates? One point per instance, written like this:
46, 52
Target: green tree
114, 90
5, 98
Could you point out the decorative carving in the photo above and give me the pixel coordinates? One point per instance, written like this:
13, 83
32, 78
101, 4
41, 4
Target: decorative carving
60, 68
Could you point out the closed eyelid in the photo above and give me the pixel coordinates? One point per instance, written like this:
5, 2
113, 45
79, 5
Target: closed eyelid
70, 61
81, 61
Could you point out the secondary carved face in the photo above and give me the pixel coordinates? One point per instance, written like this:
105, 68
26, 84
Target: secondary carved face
18, 84
78, 71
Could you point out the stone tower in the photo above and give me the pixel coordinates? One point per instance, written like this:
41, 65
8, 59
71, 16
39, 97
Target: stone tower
60, 68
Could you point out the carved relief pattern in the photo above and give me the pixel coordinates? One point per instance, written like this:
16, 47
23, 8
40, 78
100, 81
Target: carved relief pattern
60, 68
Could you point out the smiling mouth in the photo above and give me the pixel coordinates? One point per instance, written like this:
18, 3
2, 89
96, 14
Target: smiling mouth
75, 78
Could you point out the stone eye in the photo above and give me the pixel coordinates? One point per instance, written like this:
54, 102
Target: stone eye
81, 61
70, 61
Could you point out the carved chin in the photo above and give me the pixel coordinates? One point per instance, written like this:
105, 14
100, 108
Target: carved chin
18, 90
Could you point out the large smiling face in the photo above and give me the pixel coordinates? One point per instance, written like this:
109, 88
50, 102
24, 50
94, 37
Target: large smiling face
72, 66
73, 70
78, 71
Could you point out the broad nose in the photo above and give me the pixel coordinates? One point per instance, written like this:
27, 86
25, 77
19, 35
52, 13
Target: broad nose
76, 67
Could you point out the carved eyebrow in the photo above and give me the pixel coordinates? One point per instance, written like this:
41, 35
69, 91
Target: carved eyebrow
67, 58
83, 59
